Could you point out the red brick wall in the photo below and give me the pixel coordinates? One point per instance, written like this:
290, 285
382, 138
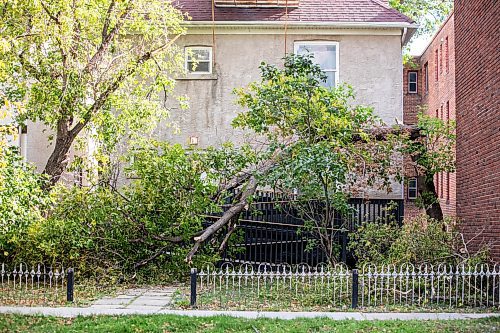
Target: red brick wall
440, 95
412, 104
478, 120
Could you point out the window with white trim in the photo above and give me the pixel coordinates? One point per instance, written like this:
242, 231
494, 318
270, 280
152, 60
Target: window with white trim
198, 60
412, 188
326, 55
412, 82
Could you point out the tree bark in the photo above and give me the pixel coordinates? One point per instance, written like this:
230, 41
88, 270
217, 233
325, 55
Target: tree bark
58, 160
234, 211
425, 184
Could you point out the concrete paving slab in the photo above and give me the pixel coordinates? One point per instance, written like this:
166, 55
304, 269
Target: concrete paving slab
150, 302
113, 301
125, 296
73, 312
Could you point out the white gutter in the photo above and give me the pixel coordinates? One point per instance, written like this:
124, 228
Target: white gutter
346, 25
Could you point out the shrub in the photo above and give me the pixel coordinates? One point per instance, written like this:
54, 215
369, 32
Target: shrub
143, 229
22, 200
372, 242
421, 240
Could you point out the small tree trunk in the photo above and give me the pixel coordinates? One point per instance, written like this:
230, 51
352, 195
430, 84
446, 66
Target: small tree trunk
58, 160
426, 187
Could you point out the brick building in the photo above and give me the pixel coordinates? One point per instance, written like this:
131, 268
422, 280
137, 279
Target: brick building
429, 86
478, 121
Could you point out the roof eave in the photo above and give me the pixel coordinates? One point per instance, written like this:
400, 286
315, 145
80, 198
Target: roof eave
409, 32
368, 25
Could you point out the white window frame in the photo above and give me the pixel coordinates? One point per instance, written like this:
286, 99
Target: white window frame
416, 82
413, 188
298, 44
210, 59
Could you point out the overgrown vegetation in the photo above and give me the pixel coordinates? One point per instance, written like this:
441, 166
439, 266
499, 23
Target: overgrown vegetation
320, 148
421, 240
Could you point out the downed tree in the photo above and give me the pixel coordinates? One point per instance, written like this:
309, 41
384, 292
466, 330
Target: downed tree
318, 139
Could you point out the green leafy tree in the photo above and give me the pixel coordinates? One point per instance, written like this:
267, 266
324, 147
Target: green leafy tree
22, 200
88, 65
318, 144
432, 152
429, 14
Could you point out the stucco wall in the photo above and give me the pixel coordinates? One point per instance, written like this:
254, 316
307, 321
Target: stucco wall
371, 64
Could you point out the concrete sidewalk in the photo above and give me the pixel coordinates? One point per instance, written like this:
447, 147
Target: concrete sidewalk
93, 311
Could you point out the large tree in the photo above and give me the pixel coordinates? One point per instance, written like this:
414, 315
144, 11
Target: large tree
321, 148
318, 144
88, 64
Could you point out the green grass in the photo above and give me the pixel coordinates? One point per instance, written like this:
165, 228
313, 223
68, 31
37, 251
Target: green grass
171, 323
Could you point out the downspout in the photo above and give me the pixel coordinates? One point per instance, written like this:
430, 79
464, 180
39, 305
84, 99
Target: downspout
403, 38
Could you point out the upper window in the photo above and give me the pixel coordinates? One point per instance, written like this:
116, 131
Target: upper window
412, 82
436, 64
198, 60
412, 188
426, 77
326, 55
447, 50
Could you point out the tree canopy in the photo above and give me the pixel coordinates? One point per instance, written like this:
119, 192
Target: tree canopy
102, 65
429, 14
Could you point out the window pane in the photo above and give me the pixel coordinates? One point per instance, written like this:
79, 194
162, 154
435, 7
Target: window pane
330, 80
413, 77
412, 193
413, 87
324, 55
199, 67
197, 54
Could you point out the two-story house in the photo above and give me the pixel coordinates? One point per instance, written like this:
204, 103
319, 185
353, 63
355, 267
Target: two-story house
357, 42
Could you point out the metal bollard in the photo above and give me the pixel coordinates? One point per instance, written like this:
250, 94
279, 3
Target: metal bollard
70, 285
355, 285
193, 287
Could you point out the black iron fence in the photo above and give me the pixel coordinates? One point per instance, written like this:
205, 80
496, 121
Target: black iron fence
303, 287
38, 284
272, 230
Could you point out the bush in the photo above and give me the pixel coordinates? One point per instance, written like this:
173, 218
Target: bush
421, 240
372, 242
22, 200
144, 229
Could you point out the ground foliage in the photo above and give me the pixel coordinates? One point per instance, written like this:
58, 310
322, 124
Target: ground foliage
421, 240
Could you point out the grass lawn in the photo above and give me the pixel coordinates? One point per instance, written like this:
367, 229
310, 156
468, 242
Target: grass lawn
171, 323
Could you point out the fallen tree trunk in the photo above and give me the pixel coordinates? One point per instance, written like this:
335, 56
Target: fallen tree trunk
250, 182
242, 203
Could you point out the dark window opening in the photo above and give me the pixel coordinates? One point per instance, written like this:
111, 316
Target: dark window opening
412, 82
412, 188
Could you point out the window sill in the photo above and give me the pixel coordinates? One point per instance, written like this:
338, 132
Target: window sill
191, 77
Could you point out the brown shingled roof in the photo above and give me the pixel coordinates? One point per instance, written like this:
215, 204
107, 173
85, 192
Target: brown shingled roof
362, 11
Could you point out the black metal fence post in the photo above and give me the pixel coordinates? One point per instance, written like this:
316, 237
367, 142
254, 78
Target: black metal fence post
355, 285
194, 274
70, 285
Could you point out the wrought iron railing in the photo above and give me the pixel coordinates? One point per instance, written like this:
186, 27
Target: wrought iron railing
303, 287
38, 284
272, 231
